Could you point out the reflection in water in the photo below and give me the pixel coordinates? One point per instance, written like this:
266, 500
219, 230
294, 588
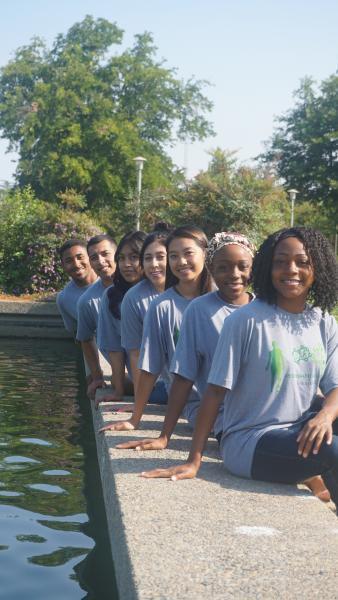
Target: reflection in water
53, 538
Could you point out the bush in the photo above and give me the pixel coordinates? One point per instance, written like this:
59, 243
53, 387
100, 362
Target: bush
31, 231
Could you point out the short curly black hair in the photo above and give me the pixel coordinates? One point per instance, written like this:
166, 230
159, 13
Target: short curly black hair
324, 291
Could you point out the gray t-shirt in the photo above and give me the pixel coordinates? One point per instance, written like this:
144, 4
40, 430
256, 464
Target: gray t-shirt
134, 306
201, 326
88, 311
272, 362
161, 330
66, 301
109, 328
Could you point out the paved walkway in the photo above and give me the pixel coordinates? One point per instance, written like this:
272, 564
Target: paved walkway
212, 538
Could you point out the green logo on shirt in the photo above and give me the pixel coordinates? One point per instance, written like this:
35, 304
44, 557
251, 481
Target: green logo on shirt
275, 364
301, 355
176, 335
315, 354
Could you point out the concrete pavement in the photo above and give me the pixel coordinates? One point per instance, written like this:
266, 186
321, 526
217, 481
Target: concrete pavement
214, 537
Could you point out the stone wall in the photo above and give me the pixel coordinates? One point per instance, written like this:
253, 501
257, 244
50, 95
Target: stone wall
31, 319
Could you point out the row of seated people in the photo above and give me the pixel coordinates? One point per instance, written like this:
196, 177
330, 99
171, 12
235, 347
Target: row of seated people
239, 342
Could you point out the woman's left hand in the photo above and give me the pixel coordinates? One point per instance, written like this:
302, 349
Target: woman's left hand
109, 397
186, 471
314, 432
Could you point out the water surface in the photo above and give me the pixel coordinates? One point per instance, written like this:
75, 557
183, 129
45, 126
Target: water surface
53, 531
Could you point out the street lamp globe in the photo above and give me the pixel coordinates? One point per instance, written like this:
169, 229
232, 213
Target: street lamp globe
139, 161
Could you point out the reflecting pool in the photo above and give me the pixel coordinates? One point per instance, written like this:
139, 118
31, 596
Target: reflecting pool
53, 530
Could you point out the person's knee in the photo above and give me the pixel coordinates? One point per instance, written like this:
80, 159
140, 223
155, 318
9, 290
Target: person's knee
329, 452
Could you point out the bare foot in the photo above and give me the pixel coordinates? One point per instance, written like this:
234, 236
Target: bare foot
318, 488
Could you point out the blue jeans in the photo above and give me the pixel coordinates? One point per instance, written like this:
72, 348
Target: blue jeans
276, 458
159, 394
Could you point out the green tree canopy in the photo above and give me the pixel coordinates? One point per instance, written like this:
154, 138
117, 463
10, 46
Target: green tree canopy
304, 147
78, 113
229, 196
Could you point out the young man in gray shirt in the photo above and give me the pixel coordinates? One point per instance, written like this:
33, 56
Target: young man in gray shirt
75, 262
101, 251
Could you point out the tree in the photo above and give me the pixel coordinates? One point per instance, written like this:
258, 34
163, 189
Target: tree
79, 113
308, 214
303, 150
228, 196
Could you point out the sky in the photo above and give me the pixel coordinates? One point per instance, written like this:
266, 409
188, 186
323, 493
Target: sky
254, 53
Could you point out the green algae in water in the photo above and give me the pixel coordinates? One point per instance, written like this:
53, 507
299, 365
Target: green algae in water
35, 539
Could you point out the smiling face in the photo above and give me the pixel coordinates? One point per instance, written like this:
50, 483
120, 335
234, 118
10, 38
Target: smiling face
186, 259
101, 256
292, 274
75, 262
129, 264
231, 270
154, 264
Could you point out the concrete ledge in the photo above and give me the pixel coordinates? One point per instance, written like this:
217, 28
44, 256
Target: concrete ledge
31, 319
215, 537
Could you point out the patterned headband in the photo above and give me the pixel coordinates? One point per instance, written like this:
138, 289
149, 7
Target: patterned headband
225, 238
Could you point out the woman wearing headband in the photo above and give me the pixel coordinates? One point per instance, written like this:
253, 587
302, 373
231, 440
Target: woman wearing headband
229, 259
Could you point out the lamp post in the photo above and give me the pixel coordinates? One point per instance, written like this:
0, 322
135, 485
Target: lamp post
292, 194
139, 162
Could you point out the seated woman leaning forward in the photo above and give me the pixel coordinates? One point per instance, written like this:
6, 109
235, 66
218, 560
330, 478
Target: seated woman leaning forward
187, 278
229, 259
135, 305
128, 273
271, 357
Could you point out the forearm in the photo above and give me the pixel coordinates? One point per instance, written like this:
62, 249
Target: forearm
206, 416
91, 356
178, 396
117, 362
135, 371
330, 404
146, 382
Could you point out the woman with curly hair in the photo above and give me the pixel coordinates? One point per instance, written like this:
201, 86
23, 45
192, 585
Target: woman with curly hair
271, 358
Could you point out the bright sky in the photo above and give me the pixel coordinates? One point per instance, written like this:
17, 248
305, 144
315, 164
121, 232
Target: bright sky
253, 52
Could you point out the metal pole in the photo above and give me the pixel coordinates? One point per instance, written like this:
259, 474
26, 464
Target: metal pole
138, 196
139, 161
292, 194
292, 211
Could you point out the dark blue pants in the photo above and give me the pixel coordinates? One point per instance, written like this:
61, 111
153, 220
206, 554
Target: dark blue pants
159, 394
276, 459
